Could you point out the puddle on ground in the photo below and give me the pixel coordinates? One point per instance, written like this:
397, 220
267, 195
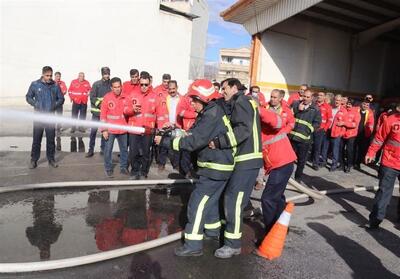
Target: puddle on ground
56, 224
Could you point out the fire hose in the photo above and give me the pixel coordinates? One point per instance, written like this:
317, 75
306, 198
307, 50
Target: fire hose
103, 256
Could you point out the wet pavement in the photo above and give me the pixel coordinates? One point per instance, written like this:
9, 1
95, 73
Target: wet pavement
327, 238
57, 224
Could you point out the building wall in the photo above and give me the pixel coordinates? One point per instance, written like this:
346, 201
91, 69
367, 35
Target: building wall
297, 51
199, 39
73, 36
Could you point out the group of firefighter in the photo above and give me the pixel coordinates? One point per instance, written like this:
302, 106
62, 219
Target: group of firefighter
231, 135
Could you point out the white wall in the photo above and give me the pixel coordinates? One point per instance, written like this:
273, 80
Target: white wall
199, 39
297, 51
73, 36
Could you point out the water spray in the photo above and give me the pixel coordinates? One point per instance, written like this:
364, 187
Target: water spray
48, 118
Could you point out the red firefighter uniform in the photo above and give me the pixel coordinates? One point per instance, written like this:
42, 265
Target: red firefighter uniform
186, 113
293, 97
351, 121
388, 136
381, 119
161, 91
338, 131
278, 157
284, 103
79, 91
152, 113
112, 111
288, 120
277, 150
62, 86
128, 87
368, 122
326, 116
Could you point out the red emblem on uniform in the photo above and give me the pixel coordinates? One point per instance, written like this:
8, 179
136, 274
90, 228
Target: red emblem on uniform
111, 105
134, 101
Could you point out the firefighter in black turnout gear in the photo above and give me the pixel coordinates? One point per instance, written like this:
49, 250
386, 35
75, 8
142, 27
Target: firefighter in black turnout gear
214, 165
308, 119
245, 121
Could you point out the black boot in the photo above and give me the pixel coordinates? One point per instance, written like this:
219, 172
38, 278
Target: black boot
58, 144
81, 145
33, 164
73, 144
53, 164
89, 154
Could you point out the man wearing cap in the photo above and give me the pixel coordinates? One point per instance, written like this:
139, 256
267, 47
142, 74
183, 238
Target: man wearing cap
162, 89
99, 90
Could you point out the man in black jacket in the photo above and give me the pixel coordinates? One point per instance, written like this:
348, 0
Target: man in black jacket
215, 165
45, 96
245, 121
308, 120
99, 89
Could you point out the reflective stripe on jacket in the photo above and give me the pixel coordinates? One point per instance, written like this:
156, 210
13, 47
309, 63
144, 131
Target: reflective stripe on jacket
112, 111
79, 91
307, 121
277, 150
246, 127
388, 137
152, 113
216, 164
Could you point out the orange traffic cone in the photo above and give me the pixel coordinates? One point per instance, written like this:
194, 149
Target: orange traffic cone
273, 243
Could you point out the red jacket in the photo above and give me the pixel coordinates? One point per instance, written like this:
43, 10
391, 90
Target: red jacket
381, 119
288, 120
152, 114
128, 88
338, 131
351, 121
285, 104
326, 115
293, 97
277, 150
79, 91
388, 136
112, 111
186, 113
368, 122
161, 91
260, 99
62, 86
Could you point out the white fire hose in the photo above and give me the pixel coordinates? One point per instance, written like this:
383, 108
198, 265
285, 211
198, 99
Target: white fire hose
103, 256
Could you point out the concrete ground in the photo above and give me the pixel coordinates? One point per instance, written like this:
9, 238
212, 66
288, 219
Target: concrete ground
327, 238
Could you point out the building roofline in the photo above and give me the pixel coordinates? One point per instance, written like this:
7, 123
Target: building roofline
235, 8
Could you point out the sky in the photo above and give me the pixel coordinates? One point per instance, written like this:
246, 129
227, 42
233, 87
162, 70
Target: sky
223, 34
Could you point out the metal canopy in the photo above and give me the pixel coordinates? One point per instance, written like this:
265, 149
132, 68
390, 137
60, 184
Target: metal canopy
367, 18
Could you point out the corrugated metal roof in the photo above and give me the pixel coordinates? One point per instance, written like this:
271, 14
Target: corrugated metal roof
350, 15
257, 16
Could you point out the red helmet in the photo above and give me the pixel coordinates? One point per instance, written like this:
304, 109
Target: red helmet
203, 90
